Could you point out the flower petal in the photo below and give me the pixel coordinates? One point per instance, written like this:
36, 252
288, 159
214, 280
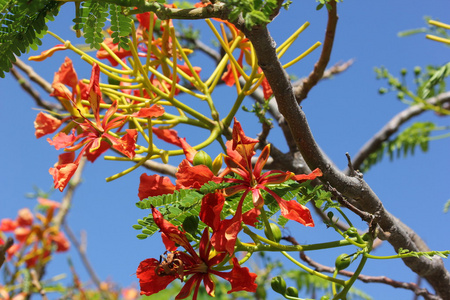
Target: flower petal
311, 176
212, 205
121, 53
293, 210
94, 92
47, 53
62, 140
172, 232
62, 174
240, 278
189, 177
168, 135
150, 282
153, 111
45, 124
127, 143
154, 185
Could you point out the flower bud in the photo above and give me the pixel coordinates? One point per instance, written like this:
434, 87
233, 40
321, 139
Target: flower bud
217, 164
417, 70
292, 291
342, 261
352, 232
202, 158
278, 285
276, 232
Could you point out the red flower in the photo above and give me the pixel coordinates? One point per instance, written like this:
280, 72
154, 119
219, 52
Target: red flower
252, 180
155, 275
95, 137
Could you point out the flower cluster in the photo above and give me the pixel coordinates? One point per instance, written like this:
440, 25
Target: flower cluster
35, 241
218, 247
92, 138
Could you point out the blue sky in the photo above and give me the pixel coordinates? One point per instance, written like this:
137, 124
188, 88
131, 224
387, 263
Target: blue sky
343, 113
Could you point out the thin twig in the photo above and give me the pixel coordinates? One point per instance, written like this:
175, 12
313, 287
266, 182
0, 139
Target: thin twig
81, 249
319, 68
26, 86
36, 78
37, 284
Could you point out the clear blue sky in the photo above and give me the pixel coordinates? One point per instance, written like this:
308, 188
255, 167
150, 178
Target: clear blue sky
343, 113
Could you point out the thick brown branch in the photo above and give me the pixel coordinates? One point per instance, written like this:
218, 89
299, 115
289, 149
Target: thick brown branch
392, 127
399, 235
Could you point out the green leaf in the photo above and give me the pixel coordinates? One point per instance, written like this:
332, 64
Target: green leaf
22, 24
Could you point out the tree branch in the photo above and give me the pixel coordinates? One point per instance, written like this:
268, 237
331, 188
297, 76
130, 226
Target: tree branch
366, 278
26, 86
301, 91
399, 235
392, 127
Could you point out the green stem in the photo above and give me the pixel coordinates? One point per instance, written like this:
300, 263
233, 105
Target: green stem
312, 272
348, 284
273, 246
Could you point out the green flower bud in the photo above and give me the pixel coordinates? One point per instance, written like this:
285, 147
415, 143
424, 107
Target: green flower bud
278, 285
342, 261
417, 70
382, 91
352, 232
276, 232
403, 72
202, 158
292, 291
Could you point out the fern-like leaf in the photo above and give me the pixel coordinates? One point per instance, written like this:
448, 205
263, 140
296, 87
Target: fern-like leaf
417, 135
175, 207
21, 27
120, 26
92, 19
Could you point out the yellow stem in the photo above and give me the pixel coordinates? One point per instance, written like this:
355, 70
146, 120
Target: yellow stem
301, 56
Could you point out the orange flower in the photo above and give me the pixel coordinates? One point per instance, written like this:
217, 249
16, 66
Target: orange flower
45, 124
